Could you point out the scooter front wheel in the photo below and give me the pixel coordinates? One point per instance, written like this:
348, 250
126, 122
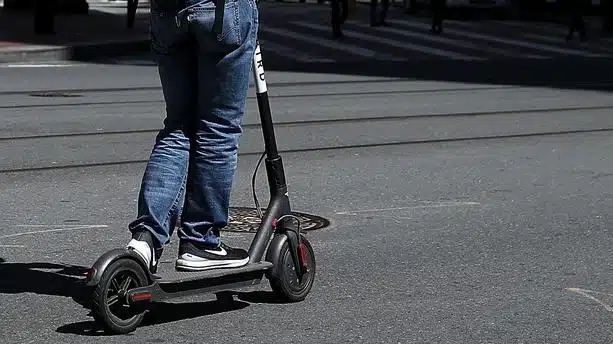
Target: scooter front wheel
109, 303
286, 284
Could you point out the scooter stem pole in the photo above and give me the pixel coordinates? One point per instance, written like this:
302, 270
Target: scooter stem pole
268, 131
279, 201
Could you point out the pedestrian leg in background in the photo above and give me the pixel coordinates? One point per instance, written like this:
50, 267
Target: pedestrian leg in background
378, 18
44, 17
385, 5
571, 28
576, 23
338, 16
438, 12
131, 15
345, 10
580, 24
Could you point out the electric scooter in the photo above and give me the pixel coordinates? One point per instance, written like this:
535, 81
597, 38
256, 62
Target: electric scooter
123, 286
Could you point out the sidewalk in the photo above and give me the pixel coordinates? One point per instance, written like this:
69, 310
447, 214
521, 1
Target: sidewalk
100, 33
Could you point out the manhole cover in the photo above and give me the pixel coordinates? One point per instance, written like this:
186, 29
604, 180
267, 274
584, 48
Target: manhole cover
55, 94
243, 219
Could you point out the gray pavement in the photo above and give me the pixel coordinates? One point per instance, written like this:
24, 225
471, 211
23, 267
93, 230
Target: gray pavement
498, 240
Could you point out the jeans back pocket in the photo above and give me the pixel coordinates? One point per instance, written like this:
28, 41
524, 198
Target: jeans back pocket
201, 18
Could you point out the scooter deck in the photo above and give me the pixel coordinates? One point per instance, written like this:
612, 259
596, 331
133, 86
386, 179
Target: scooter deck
170, 283
169, 275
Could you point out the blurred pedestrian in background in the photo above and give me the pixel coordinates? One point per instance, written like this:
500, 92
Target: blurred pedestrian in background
340, 11
575, 9
378, 18
438, 13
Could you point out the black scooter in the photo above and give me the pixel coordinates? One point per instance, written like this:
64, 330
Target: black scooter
123, 286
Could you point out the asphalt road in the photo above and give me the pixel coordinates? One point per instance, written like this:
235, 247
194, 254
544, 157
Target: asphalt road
459, 213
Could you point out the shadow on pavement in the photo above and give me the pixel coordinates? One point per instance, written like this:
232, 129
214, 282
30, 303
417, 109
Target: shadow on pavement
45, 279
75, 33
68, 281
165, 312
161, 313
568, 73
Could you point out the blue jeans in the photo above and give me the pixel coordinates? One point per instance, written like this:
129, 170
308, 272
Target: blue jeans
205, 81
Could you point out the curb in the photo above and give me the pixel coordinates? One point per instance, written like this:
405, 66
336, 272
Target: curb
78, 52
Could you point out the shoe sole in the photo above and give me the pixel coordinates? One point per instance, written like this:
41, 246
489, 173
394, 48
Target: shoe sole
188, 265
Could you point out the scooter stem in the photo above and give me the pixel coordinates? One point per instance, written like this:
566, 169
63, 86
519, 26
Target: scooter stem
270, 142
279, 204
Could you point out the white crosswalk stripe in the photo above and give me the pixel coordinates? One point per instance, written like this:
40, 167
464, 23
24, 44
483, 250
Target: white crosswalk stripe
330, 44
509, 41
409, 39
547, 32
397, 44
453, 42
609, 50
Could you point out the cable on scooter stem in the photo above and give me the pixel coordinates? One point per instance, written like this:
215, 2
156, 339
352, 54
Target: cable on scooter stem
253, 178
255, 196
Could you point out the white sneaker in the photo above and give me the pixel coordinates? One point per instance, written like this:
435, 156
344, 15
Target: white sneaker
194, 257
142, 245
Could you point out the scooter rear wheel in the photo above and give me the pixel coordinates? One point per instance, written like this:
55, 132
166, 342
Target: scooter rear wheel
109, 303
286, 284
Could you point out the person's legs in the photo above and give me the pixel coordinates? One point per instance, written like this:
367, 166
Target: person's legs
437, 16
572, 21
224, 67
373, 12
345, 10
385, 4
163, 184
434, 8
581, 27
335, 17
442, 14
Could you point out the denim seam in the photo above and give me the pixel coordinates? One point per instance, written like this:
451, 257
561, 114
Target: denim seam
237, 27
174, 204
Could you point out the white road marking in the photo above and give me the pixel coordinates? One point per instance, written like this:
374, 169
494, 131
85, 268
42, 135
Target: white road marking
62, 225
426, 206
559, 40
495, 39
329, 44
455, 42
39, 65
584, 292
12, 246
53, 230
